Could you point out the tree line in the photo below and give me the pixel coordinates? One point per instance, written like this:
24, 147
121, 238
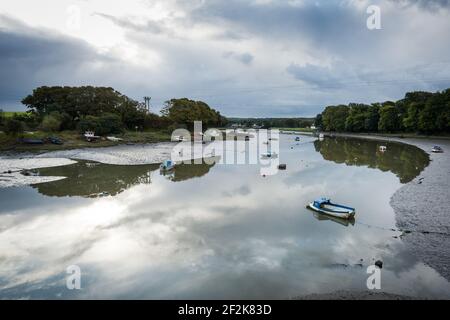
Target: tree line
103, 110
418, 112
273, 122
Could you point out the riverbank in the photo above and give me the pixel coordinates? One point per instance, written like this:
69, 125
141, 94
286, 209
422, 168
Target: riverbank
422, 205
14, 165
19, 172
74, 140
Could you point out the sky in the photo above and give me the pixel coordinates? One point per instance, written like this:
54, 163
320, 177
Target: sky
245, 58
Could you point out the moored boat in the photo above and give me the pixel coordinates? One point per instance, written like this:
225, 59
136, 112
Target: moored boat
325, 206
55, 140
269, 154
437, 149
32, 141
167, 165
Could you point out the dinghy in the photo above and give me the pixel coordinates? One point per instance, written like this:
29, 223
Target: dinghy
437, 149
269, 154
167, 165
325, 206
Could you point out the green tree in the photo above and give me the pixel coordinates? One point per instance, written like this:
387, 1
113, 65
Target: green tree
389, 119
318, 122
101, 125
335, 117
51, 122
13, 127
76, 102
356, 118
185, 112
434, 116
411, 119
372, 118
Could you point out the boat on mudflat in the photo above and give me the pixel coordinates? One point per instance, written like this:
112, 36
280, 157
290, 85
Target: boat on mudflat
325, 206
32, 141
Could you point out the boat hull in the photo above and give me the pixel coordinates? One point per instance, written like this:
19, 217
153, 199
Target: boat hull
347, 214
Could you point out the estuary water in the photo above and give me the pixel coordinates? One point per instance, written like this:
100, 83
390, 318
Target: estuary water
214, 231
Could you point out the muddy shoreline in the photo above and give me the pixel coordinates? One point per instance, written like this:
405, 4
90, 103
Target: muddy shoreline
422, 205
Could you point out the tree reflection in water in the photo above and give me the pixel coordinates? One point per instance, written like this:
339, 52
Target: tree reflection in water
92, 179
405, 161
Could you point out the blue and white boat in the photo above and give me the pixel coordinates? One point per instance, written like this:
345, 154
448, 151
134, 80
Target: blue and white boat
167, 165
325, 206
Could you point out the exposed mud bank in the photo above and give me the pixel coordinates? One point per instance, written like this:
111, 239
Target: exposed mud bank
12, 169
422, 206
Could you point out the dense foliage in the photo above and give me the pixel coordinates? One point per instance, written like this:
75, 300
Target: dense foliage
105, 110
13, 126
183, 112
421, 112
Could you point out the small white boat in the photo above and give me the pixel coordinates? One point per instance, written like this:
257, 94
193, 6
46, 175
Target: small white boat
269, 154
325, 206
437, 149
90, 136
179, 138
114, 139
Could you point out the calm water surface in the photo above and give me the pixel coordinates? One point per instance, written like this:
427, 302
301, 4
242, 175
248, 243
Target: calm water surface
214, 231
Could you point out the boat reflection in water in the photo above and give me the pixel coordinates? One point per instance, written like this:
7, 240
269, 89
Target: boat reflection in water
324, 217
185, 171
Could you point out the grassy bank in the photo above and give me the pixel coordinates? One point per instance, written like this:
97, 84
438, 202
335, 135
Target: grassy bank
74, 140
9, 114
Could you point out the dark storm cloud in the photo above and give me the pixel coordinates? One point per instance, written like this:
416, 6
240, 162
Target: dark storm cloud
29, 59
314, 74
427, 4
149, 26
245, 58
282, 20
230, 35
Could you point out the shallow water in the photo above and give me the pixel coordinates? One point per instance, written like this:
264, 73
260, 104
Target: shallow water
214, 231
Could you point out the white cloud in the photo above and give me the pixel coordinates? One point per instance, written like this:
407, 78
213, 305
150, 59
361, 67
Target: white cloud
243, 57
